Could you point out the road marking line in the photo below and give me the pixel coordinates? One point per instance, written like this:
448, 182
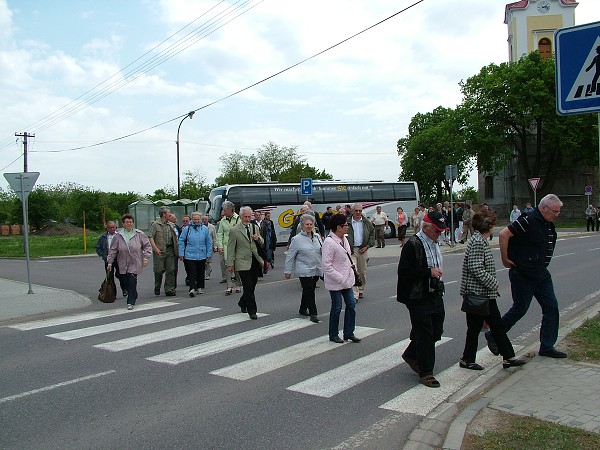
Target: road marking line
349, 375
54, 386
284, 357
230, 342
44, 323
126, 324
421, 400
172, 333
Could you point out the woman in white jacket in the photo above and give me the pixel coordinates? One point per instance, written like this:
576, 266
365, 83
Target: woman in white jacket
304, 261
339, 279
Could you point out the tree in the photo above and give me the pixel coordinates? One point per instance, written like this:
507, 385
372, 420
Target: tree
435, 139
270, 163
467, 193
509, 112
194, 185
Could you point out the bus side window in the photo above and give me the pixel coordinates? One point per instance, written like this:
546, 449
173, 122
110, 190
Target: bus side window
405, 191
284, 196
383, 192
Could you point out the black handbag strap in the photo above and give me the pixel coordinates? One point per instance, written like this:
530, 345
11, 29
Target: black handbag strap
347, 254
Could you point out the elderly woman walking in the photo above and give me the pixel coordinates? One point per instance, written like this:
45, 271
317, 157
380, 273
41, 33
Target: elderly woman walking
304, 261
195, 247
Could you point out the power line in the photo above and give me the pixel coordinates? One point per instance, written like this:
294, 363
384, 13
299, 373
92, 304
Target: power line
243, 89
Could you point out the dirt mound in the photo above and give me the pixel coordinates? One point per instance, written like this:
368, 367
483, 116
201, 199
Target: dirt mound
59, 229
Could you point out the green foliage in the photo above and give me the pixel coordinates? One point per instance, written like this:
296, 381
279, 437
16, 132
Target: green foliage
435, 139
509, 111
588, 338
7, 202
194, 185
270, 163
467, 193
167, 192
43, 246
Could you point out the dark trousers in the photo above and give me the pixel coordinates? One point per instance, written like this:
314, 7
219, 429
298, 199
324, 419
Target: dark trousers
591, 221
523, 290
131, 283
474, 324
427, 320
402, 232
248, 300
308, 295
195, 272
380, 235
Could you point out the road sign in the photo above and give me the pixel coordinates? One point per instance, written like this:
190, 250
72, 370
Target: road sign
22, 182
306, 186
533, 182
577, 66
451, 172
588, 190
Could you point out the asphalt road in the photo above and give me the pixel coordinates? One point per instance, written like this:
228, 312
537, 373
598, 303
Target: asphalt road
57, 390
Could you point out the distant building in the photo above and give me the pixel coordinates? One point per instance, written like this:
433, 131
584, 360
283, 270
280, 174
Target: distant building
531, 25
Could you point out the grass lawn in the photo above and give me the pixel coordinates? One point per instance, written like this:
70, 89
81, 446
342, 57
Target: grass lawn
40, 246
508, 431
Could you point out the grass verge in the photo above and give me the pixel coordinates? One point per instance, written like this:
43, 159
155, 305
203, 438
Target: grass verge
42, 246
496, 430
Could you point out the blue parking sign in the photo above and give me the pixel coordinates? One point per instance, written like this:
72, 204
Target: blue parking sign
306, 186
578, 69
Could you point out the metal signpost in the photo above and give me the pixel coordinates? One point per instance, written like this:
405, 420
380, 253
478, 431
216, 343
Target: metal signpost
22, 183
588, 193
451, 175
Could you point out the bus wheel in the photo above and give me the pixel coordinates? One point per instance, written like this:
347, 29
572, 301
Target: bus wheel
390, 231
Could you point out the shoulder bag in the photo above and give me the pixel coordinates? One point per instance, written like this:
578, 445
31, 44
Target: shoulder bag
475, 304
357, 280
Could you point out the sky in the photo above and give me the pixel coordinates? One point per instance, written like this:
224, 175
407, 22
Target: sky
104, 85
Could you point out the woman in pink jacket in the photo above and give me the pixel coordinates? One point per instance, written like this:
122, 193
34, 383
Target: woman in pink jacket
339, 279
131, 248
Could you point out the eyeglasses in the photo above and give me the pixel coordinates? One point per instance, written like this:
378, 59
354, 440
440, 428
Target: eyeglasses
346, 224
358, 210
556, 212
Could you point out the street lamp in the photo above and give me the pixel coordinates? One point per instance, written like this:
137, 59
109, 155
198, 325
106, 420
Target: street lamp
190, 115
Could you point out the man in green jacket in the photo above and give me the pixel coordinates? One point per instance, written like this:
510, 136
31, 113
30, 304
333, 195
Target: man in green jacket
361, 236
163, 240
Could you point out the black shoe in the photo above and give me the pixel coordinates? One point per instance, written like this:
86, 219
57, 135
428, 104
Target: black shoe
156, 291
513, 363
352, 338
303, 313
125, 293
336, 339
472, 366
253, 316
491, 343
552, 353
171, 293
314, 319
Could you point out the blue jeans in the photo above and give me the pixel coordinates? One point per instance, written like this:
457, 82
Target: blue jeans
336, 309
523, 290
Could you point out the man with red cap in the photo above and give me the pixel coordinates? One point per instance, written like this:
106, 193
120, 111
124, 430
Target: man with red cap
421, 289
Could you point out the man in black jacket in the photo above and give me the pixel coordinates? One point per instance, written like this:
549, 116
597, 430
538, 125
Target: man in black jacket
102, 247
421, 289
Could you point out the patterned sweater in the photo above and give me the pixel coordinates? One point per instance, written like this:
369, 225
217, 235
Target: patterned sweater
479, 269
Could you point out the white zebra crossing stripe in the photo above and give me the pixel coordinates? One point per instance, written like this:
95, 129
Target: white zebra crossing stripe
46, 323
230, 342
284, 357
126, 324
349, 375
172, 333
421, 400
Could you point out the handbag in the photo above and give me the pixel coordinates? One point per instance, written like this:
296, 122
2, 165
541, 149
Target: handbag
475, 304
108, 290
357, 279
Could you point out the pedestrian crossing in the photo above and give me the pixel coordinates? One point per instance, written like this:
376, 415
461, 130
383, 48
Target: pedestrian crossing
358, 369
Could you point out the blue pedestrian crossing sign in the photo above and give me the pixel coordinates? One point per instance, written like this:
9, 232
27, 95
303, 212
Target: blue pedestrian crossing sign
306, 186
578, 69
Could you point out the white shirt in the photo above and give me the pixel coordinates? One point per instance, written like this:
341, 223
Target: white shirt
379, 218
357, 226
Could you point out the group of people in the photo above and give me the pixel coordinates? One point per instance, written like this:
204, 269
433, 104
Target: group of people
526, 249
592, 216
338, 254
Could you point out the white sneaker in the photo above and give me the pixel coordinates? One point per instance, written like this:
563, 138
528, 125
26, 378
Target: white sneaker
129, 307
199, 291
192, 293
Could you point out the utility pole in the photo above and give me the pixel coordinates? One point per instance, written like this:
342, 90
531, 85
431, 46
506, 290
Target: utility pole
24, 135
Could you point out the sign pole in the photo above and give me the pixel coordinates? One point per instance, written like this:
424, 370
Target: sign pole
26, 237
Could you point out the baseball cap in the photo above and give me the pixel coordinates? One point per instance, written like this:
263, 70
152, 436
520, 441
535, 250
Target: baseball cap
437, 220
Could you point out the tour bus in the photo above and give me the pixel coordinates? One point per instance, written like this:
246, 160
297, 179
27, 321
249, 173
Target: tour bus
285, 199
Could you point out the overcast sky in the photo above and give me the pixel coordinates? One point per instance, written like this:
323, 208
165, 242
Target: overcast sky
344, 109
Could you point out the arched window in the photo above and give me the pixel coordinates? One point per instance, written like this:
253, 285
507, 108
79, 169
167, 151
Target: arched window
545, 48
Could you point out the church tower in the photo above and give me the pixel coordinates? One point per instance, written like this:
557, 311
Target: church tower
531, 25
